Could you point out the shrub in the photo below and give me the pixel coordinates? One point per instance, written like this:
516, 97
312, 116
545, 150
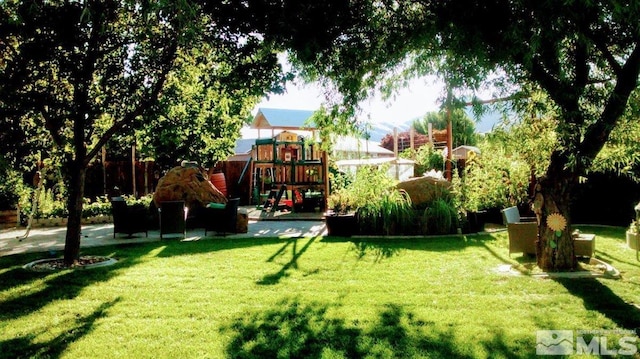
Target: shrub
494, 180
379, 206
12, 189
100, 207
426, 158
390, 213
441, 216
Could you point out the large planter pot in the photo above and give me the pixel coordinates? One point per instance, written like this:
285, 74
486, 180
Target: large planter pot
341, 225
476, 221
633, 240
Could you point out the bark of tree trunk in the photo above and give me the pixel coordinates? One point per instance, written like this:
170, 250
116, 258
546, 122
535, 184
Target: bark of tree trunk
74, 207
554, 249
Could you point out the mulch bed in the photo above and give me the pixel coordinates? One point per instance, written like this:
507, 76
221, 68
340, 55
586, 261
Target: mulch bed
52, 264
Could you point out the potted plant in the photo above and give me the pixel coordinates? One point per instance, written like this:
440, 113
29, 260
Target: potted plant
633, 232
341, 219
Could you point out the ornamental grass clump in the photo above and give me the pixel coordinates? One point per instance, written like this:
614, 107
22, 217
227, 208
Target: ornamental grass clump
441, 216
380, 207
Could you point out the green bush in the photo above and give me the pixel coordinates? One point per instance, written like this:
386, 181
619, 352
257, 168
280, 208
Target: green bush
12, 189
52, 205
379, 206
441, 216
493, 180
100, 207
390, 213
426, 159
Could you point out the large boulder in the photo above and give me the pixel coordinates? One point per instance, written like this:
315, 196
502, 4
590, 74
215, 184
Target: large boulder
188, 184
423, 190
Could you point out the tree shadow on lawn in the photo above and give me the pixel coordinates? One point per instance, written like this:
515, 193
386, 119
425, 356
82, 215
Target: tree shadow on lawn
613, 259
43, 288
291, 329
598, 297
174, 247
382, 248
27, 347
274, 278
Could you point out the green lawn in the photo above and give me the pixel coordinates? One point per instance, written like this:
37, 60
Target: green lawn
308, 298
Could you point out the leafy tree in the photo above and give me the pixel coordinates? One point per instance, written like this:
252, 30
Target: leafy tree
464, 130
584, 56
199, 114
82, 72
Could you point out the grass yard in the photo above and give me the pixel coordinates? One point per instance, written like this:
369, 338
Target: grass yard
310, 298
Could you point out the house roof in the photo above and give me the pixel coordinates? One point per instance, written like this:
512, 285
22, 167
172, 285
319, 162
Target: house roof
353, 144
244, 145
277, 118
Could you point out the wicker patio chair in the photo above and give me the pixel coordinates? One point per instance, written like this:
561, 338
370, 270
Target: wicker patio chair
173, 218
522, 231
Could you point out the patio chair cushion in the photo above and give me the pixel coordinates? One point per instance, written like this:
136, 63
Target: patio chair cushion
222, 220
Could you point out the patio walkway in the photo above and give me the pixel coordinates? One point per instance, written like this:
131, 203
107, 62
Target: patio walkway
52, 239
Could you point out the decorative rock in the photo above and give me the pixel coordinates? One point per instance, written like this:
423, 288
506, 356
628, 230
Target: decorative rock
423, 190
189, 184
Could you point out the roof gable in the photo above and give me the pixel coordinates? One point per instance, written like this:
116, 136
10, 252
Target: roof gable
275, 118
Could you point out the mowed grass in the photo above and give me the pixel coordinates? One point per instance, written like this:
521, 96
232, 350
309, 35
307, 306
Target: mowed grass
318, 297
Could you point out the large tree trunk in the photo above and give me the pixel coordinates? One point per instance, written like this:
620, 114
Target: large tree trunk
554, 249
74, 207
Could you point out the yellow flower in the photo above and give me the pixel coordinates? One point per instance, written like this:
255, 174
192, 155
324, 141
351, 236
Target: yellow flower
556, 222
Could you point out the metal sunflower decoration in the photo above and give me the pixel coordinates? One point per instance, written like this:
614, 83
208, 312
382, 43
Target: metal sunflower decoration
557, 223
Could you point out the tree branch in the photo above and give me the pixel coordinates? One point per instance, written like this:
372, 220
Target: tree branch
598, 133
150, 99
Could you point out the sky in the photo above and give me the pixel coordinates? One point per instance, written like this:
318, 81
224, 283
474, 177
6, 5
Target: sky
412, 102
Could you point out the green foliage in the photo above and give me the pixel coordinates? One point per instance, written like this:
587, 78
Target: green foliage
621, 154
51, 204
464, 129
441, 216
100, 207
77, 73
388, 213
340, 200
200, 116
426, 158
529, 139
496, 179
379, 206
12, 188
370, 184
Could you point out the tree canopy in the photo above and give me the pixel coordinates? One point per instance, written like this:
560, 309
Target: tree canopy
74, 74
584, 56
